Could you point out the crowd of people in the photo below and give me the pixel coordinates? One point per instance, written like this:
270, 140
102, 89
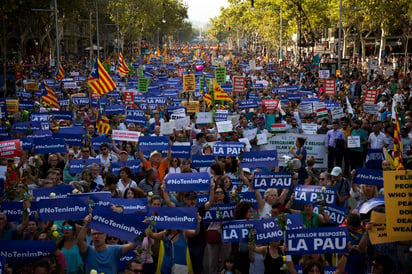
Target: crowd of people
80, 249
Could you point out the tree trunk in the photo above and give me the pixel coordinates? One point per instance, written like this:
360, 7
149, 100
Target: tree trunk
91, 40
363, 41
382, 44
345, 38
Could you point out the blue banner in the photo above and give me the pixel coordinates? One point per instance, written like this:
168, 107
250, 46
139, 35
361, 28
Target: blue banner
101, 198
40, 117
374, 158
80, 100
49, 146
150, 143
21, 127
63, 103
62, 115
118, 225
284, 89
308, 194
134, 113
237, 231
337, 214
26, 104
61, 191
247, 104
115, 109
256, 86
219, 117
258, 159
219, 212
187, 181
23, 94
181, 151
70, 208
317, 240
228, 148
132, 206
368, 176
70, 139
26, 143
39, 135
371, 204
21, 252
78, 165
134, 165
173, 217
202, 160
160, 101
121, 266
265, 180
97, 141
14, 210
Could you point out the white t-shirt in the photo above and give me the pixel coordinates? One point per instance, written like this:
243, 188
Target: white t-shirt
122, 188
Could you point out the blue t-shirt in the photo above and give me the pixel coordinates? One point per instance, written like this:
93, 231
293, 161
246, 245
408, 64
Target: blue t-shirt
103, 261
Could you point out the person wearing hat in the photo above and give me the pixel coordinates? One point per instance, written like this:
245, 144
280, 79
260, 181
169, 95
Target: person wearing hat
342, 186
156, 161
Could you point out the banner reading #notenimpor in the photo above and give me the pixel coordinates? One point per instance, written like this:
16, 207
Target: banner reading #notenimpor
315, 146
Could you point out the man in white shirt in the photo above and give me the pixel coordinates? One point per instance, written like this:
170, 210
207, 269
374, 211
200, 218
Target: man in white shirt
377, 139
105, 157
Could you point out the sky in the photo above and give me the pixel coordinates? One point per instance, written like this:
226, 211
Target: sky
201, 10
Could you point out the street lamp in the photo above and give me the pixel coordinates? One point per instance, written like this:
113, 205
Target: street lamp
340, 30
57, 29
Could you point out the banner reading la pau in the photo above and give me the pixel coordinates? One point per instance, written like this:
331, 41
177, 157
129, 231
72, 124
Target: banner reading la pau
398, 203
315, 146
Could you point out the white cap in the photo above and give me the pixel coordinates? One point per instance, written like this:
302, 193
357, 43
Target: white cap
336, 171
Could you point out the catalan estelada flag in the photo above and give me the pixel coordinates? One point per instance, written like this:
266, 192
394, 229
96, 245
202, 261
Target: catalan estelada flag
99, 80
48, 97
123, 70
219, 93
397, 145
206, 91
102, 122
59, 74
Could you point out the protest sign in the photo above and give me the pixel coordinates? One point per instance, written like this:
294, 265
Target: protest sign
173, 217
353, 141
98, 141
322, 113
221, 212
31, 86
370, 204
239, 84
220, 75
236, 231
69, 208
374, 158
265, 180
96, 199
61, 191
370, 96
398, 203
187, 181
10, 149
224, 126
315, 146
305, 108
250, 134
150, 143
78, 165
317, 240
309, 128
378, 232
368, 176
179, 151
134, 166
128, 99
262, 139
81, 100
324, 74
270, 105
125, 135
204, 117
251, 103
337, 113
49, 146
182, 123
166, 128
336, 214
22, 252
308, 194
228, 148
202, 160
278, 128
371, 109
118, 225
12, 105
189, 83
14, 210
143, 84
255, 159
191, 106
131, 206
330, 88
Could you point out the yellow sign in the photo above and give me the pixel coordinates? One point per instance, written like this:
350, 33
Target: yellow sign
398, 203
12, 105
337, 73
31, 86
189, 83
191, 106
378, 233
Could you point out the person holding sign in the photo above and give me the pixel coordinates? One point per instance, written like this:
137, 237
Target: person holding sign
272, 256
300, 152
356, 153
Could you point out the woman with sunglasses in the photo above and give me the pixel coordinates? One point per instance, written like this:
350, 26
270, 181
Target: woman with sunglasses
70, 249
174, 165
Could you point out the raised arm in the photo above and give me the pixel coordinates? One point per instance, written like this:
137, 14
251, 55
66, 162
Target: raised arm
190, 233
211, 201
81, 243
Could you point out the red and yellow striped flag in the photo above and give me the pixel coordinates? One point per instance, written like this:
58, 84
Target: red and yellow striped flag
59, 73
102, 122
48, 97
219, 93
123, 70
397, 145
99, 80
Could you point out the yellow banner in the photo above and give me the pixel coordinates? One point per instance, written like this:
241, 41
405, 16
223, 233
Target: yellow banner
12, 105
378, 233
191, 106
31, 86
189, 83
398, 203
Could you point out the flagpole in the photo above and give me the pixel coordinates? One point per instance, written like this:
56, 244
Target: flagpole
97, 31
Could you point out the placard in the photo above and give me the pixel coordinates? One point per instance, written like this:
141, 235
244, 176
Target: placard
167, 128
220, 75
239, 84
305, 108
224, 126
378, 232
262, 139
353, 141
31, 86
309, 128
370, 96
324, 74
189, 83
191, 106
337, 113
371, 109
182, 123
125, 135
128, 99
10, 149
143, 84
398, 203
250, 134
330, 86
268, 105
204, 117
12, 105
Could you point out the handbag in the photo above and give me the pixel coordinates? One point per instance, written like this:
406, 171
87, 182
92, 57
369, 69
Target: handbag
213, 236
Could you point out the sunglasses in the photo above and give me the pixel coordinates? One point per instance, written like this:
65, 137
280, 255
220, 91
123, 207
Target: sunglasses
111, 238
86, 151
322, 179
69, 227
